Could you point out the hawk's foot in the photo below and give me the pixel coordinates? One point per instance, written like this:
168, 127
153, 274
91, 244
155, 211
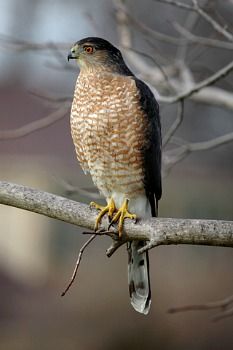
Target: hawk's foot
109, 208
121, 215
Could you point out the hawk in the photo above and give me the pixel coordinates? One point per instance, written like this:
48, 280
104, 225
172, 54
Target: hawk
115, 126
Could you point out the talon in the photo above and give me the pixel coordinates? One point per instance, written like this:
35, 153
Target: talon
109, 208
121, 215
112, 208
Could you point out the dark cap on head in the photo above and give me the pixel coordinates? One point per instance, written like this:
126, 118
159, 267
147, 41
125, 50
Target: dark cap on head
109, 56
99, 43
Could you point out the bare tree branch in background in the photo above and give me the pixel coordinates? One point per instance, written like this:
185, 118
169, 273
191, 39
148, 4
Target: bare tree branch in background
50, 99
11, 43
199, 86
191, 21
195, 7
224, 306
71, 190
179, 75
36, 125
177, 4
156, 78
180, 114
173, 156
201, 40
218, 27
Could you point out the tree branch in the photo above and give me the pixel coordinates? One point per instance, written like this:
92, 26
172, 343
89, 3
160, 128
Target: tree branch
74, 274
199, 86
175, 125
36, 125
224, 305
200, 146
195, 7
201, 92
216, 26
15, 44
214, 96
175, 155
158, 231
124, 17
202, 40
177, 4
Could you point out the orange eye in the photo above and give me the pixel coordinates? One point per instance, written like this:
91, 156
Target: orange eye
89, 49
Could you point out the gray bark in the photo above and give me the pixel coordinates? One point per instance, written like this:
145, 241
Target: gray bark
158, 231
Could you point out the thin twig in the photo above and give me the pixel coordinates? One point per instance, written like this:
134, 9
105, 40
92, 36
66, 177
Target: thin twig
13, 43
101, 232
62, 61
225, 314
175, 155
36, 125
176, 124
191, 20
202, 40
195, 7
177, 4
74, 190
50, 98
82, 249
218, 27
203, 145
71, 190
225, 305
123, 16
153, 60
221, 73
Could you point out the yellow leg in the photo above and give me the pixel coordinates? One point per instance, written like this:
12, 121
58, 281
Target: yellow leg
121, 215
109, 208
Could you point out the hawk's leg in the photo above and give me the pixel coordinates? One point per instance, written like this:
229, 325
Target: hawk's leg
109, 208
121, 215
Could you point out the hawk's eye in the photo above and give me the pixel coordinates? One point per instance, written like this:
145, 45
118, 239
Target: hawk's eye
88, 49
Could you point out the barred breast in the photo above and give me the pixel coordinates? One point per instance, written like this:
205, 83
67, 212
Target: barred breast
109, 132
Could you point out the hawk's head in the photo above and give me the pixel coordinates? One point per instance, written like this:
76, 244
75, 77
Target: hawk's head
97, 52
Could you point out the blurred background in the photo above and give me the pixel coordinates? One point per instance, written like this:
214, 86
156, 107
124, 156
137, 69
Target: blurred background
37, 254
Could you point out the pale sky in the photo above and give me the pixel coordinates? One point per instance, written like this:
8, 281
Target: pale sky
51, 20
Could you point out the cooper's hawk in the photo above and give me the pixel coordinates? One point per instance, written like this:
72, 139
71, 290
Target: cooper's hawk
116, 131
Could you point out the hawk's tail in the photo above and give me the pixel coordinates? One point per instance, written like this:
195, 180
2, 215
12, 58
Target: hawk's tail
138, 277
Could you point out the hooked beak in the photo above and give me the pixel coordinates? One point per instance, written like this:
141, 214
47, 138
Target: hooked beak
74, 53
70, 56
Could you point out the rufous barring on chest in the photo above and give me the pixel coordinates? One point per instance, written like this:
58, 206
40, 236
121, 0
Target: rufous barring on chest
108, 131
